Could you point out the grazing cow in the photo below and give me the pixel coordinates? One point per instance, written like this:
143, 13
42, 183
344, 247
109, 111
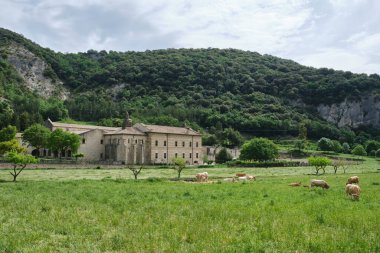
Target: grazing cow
241, 174
353, 180
319, 183
202, 177
295, 184
245, 178
353, 190
249, 177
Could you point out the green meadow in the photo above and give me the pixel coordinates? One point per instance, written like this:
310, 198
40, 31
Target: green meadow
104, 210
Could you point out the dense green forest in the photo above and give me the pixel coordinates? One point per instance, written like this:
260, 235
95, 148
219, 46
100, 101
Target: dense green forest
259, 95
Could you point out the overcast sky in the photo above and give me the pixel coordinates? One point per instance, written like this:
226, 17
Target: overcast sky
341, 34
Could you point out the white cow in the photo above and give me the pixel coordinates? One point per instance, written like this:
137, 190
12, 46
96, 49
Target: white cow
202, 177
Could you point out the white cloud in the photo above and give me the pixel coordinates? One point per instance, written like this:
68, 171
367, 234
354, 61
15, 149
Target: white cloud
331, 33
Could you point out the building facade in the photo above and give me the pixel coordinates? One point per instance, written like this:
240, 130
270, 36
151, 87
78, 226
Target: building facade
137, 144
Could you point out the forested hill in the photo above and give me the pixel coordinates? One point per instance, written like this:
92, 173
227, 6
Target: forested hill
253, 93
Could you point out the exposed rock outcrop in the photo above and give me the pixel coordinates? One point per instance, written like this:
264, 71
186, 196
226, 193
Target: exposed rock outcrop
365, 111
32, 68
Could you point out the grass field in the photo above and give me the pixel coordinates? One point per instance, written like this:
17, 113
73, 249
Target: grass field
98, 210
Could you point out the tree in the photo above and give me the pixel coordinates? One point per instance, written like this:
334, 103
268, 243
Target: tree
336, 146
7, 146
302, 131
223, 156
259, 149
37, 136
377, 153
359, 150
230, 138
319, 162
136, 171
179, 164
19, 161
209, 140
62, 141
372, 145
8, 133
325, 144
340, 162
346, 148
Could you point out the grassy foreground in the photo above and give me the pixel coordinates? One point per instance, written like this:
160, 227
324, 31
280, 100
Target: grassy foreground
154, 215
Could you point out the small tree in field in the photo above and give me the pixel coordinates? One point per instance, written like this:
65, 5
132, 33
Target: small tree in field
135, 170
259, 149
359, 150
340, 163
19, 161
179, 164
320, 163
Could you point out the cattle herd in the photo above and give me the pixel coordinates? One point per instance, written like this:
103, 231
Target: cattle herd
352, 185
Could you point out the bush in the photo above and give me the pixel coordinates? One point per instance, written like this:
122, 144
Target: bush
372, 146
223, 156
259, 149
346, 148
359, 150
336, 147
325, 144
377, 153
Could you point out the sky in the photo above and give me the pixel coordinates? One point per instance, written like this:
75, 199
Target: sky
339, 34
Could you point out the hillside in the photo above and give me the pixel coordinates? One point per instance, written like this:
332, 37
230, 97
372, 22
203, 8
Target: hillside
255, 94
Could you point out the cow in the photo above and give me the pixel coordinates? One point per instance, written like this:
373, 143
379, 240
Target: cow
353, 190
353, 180
230, 179
319, 183
202, 177
241, 174
249, 177
295, 184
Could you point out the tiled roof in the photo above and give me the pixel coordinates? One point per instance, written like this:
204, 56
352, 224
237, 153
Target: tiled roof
128, 130
84, 127
166, 129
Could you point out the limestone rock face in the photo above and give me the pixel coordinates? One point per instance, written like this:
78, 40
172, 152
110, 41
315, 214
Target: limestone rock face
31, 68
365, 111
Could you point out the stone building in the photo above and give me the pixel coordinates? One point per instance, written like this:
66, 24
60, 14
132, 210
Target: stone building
137, 144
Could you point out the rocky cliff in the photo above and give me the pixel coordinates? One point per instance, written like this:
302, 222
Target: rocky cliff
33, 70
365, 111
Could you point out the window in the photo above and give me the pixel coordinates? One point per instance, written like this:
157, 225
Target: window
164, 143
128, 140
176, 155
83, 141
196, 144
183, 144
183, 155
190, 143
164, 155
142, 141
190, 155
176, 143
101, 141
156, 155
136, 141
156, 143
196, 155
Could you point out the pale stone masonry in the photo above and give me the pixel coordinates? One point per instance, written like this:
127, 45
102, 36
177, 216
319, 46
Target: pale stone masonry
137, 144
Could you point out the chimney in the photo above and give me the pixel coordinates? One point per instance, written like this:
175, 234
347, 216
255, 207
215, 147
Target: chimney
127, 121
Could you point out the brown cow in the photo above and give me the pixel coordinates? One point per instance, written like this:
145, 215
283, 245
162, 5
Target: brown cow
295, 184
353, 190
241, 174
353, 180
319, 183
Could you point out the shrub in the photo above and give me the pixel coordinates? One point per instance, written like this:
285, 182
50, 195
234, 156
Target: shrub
359, 150
223, 156
372, 146
259, 149
346, 148
240, 163
377, 153
336, 146
325, 144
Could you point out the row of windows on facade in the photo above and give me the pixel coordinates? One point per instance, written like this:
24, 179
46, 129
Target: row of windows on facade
142, 142
115, 140
176, 155
176, 144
